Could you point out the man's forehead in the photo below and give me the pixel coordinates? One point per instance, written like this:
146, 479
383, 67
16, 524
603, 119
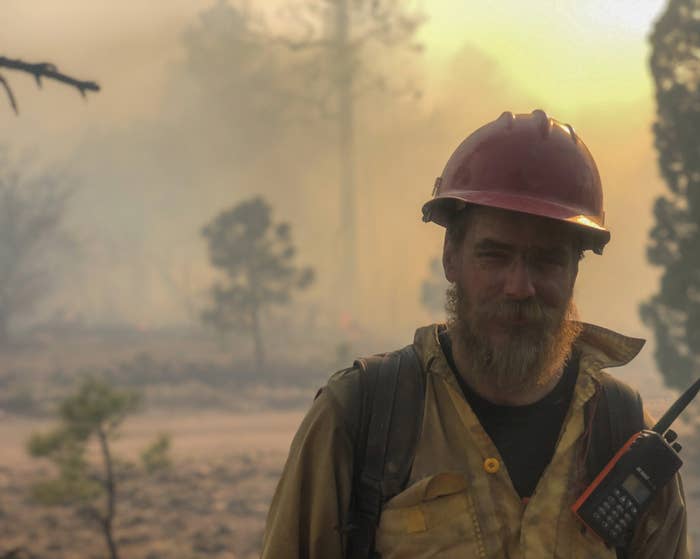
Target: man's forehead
518, 228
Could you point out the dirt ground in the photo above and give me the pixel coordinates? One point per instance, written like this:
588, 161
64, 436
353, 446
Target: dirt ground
196, 435
212, 503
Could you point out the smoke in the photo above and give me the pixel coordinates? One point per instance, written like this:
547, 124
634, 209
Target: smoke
237, 117
234, 122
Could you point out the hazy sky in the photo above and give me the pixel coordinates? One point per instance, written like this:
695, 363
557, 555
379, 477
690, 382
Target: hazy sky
568, 54
585, 62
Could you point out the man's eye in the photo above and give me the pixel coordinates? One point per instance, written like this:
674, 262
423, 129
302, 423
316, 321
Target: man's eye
491, 254
551, 260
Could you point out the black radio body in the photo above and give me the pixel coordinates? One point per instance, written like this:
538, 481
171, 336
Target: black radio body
623, 490
612, 503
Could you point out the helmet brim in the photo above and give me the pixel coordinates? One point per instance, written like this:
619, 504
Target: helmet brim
443, 208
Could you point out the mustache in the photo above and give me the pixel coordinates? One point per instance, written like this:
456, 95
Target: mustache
530, 310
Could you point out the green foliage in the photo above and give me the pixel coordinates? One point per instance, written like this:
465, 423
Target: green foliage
256, 257
53, 444
73, 484
94, 411
66, 491
97, 406
156, 457
674, 311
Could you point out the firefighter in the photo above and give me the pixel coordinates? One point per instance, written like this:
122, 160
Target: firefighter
506, 410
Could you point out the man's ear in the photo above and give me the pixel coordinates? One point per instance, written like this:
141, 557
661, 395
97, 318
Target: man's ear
450, 260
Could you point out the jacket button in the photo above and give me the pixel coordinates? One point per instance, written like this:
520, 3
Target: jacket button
491, 465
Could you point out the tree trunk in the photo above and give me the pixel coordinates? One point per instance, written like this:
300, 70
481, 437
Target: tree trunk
346, 152
258, 341
111, 495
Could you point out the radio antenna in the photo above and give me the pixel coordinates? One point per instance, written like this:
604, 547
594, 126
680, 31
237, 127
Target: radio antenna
676, 409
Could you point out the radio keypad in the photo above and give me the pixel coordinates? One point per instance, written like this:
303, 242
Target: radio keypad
616, 513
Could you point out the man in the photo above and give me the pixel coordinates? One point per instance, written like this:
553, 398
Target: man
509, 381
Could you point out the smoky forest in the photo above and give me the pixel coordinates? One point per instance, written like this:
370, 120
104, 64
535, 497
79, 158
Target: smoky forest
209, 207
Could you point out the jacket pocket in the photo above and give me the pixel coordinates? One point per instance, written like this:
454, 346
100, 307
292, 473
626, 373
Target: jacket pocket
432, 518
588, 546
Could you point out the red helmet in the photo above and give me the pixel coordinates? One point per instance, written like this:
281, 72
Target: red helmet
527, 163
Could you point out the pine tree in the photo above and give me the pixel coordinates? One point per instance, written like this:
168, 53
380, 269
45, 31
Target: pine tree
674, 311
344, 36
256, 257
93, 413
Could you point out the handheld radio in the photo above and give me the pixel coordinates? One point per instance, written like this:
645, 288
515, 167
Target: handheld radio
624, 489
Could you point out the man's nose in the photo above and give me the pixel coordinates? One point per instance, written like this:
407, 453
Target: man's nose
518, 284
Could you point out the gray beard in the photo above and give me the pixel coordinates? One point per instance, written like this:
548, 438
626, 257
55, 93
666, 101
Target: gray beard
531, 356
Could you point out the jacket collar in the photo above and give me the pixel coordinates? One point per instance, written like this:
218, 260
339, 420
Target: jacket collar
599, 347
607, 347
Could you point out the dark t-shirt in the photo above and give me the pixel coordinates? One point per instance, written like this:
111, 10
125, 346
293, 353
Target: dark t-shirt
525, 436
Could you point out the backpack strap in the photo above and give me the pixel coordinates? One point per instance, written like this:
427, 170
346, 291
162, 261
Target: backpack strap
393, 388
614, 414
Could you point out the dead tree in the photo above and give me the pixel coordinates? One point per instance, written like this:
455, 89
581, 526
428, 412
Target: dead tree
40, 70
339, 33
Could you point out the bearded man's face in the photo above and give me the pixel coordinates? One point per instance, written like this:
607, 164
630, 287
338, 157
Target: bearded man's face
511, 303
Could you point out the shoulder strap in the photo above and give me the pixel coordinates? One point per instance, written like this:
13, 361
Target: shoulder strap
393, 388
613, 416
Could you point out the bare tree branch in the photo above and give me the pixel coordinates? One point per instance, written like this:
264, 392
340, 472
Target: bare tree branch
302, 44
8, 90
42, 70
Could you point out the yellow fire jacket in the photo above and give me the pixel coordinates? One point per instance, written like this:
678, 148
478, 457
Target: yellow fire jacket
460, 501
